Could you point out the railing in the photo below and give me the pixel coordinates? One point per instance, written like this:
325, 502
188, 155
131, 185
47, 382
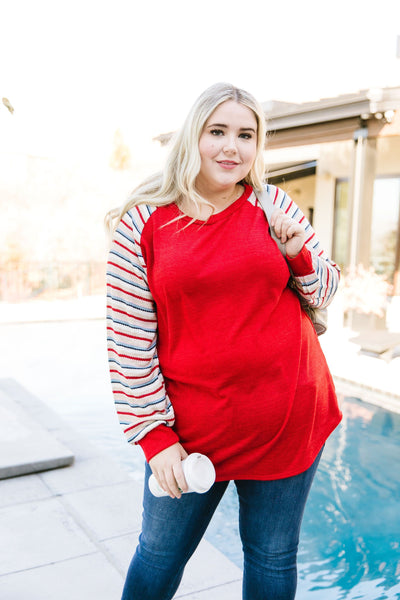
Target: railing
24, 281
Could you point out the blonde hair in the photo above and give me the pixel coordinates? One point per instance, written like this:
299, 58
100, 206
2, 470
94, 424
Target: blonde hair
176, 183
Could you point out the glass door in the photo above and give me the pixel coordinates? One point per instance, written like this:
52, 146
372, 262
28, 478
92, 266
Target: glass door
385, 229
341, 224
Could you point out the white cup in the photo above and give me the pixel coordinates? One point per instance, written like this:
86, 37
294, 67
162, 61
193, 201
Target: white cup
199, 474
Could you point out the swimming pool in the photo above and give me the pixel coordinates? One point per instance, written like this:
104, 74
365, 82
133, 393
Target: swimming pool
350, 544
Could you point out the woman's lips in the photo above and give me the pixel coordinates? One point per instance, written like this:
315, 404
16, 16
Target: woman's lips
227, 164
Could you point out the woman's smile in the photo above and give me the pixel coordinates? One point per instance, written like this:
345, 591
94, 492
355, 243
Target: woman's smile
227, 164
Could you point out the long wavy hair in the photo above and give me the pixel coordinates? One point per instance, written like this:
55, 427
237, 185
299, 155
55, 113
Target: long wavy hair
176, 183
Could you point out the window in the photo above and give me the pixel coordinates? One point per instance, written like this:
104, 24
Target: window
385, 229
385, 226
341, 224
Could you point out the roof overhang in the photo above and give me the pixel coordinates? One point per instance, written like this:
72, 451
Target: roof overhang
330, 119
287, 171
377, 103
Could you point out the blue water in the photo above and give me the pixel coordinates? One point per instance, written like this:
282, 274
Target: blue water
350, 544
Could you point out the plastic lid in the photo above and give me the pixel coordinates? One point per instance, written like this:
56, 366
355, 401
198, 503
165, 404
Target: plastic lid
199, 472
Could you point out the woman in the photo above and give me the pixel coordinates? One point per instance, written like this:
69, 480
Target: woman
211, 352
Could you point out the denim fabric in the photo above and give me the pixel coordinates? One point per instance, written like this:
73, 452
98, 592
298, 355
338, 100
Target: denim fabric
270, 515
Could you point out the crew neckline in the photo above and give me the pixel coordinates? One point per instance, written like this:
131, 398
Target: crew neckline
223, 214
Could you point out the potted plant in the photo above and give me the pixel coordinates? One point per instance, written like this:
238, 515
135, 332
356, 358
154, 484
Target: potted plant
365, 298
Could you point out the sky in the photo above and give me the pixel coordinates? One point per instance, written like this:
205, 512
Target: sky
76, 71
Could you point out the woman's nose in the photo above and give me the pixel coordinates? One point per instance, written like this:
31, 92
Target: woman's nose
230, 144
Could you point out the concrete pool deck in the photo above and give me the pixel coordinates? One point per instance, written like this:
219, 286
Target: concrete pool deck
357, 374
70, 532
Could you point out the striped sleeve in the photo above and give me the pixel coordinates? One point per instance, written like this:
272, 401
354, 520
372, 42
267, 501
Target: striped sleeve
319, 285
138, 387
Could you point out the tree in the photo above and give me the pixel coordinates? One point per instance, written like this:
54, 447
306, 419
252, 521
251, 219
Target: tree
121, 157
8, 105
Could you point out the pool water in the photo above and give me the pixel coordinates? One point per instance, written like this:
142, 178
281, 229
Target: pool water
350, 543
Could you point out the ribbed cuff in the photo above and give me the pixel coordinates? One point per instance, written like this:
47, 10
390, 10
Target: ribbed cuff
156, 440
301, 264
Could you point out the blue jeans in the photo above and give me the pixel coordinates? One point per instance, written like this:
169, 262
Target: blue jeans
270, 515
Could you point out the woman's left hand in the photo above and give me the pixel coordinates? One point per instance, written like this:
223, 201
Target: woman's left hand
289, 232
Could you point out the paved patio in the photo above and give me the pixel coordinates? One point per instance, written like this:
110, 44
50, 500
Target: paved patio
69, 533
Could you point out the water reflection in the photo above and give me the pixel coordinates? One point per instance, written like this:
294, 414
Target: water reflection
350, 546
352, 522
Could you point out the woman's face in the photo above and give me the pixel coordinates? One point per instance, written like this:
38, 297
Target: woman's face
228, 146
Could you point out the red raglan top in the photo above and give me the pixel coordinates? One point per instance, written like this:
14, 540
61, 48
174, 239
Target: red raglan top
209, 347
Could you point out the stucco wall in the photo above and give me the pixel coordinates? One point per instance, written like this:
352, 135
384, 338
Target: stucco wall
388, 159
335, 162
302, 191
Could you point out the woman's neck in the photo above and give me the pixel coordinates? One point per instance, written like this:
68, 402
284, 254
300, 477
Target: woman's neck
221, 200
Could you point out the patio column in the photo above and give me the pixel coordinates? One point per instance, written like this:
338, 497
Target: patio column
361, 196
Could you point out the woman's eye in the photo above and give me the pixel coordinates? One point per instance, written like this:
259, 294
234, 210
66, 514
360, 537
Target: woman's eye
243, 135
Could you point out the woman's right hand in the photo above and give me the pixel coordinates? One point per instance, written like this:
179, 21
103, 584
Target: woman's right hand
167, 469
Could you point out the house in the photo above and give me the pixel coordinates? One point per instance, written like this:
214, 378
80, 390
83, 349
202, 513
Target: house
339, 159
